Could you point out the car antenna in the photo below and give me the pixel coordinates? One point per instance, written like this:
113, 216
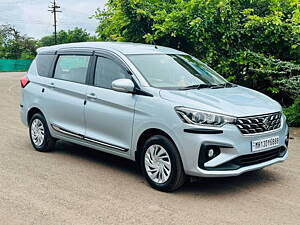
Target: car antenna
154, 43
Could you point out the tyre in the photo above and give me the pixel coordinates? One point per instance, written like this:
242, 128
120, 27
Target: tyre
161, 164
39, 134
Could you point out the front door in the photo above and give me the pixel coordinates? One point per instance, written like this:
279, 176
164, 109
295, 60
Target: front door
109, 114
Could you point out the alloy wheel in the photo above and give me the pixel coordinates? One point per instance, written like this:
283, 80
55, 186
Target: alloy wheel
157, 164
37, 132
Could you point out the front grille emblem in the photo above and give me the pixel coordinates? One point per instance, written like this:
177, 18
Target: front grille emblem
266, 123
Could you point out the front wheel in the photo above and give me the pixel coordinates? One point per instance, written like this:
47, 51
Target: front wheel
161, 164
39, 134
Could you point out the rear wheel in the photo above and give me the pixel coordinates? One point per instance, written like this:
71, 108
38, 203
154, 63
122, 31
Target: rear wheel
161, 164
39, 134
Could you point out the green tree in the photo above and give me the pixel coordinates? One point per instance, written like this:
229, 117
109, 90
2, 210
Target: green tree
69, 36
253, 43
13, 45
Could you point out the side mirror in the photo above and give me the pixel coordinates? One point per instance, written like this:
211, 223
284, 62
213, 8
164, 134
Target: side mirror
123, 85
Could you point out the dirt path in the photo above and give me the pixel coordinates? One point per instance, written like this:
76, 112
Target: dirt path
76, 185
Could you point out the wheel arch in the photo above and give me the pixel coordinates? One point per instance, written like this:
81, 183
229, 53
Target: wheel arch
147, 134
33, 111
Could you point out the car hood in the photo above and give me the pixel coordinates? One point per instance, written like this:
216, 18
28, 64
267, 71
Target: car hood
236, 101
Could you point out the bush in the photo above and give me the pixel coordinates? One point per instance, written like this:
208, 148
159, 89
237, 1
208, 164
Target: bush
290, 85
293, 113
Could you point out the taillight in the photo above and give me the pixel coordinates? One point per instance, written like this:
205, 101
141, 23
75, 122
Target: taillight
24, 81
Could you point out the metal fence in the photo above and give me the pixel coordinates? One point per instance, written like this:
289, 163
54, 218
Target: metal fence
15, 64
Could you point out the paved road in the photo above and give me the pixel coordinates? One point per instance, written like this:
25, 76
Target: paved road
76, 185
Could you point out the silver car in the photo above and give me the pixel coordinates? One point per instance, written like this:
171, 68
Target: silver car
163, 108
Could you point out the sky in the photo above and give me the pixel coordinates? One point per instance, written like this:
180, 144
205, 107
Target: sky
31, 17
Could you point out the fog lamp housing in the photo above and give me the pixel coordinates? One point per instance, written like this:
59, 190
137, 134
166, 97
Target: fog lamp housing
213, 152
208, 152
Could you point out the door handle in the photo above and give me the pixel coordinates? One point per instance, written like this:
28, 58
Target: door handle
92, 96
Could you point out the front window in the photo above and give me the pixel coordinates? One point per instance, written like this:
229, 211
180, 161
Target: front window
107, 70
175, 71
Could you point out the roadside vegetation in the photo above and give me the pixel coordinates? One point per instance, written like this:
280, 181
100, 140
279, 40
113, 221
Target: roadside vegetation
14, 45
69, 36
251, 43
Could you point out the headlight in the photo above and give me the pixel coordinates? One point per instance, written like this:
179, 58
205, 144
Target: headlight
197, 117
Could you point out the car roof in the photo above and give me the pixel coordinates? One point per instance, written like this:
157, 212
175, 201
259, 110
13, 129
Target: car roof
123, 47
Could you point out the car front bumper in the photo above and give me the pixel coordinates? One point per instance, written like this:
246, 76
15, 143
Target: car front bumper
232, 145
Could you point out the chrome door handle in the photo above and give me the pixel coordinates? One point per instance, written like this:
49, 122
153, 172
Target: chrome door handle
92, 96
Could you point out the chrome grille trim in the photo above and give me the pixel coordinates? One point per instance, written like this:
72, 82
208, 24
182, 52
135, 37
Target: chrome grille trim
260, 124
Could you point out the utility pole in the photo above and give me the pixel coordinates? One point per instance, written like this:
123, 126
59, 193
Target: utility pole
54, 9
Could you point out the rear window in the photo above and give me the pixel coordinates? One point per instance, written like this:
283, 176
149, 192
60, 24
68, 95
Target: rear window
44, 63
72, 68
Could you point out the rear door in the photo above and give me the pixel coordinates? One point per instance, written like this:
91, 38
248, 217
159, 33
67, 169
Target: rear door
66, 92
109, 114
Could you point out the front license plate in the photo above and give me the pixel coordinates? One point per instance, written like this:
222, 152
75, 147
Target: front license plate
265, 143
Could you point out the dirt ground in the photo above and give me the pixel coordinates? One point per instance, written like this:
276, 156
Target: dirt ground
76, 185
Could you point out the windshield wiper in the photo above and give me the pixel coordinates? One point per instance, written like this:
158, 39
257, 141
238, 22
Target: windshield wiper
216, 86
225, 85
213, 86
198, 86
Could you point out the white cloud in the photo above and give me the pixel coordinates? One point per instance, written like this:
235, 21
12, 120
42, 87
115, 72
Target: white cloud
32, 17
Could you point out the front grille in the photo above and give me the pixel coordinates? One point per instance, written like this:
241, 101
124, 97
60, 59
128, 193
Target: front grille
259, 124
255, 158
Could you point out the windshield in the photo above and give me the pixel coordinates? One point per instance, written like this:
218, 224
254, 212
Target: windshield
175, 71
